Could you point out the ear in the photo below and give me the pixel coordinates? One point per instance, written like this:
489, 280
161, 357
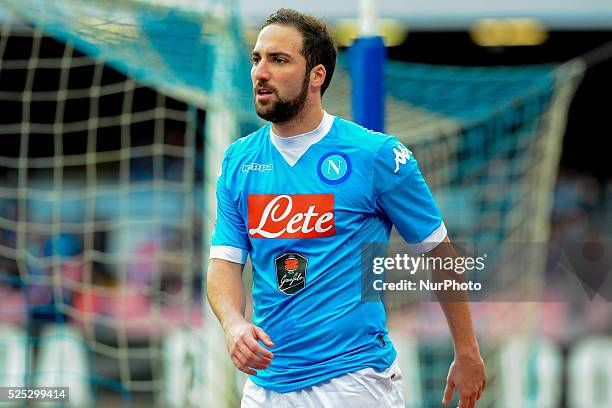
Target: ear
317, 76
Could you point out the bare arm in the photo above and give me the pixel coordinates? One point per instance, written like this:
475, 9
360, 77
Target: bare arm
226, 297
467, 372
224, 291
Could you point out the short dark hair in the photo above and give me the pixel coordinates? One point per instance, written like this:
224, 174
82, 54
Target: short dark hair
318, 46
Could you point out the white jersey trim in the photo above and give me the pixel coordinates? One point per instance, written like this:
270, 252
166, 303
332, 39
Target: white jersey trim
293, 147
228, 253
432, 241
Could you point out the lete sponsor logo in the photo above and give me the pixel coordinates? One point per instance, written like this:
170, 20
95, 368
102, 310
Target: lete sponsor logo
291, 215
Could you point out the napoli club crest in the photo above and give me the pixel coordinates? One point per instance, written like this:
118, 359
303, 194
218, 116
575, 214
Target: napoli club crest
334, 168
291, 272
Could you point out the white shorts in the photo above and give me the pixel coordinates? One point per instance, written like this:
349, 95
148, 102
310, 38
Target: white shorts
365, 388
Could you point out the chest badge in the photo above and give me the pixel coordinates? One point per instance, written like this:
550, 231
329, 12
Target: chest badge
291, 272
334, 168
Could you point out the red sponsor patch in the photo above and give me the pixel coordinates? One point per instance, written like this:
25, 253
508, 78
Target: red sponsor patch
291, 215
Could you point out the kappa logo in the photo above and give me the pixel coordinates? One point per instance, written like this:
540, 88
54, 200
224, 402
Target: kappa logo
257, 167
291, 215
402, 155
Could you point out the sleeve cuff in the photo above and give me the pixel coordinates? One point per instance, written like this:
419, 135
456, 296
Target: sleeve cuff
432, 241
228, 253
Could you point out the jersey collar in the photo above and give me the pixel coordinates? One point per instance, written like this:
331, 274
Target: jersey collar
293, 147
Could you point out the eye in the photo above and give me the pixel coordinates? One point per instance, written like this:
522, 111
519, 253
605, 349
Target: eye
255, 59
279, 60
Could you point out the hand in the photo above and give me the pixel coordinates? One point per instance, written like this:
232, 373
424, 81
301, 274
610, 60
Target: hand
244, 350
467, 375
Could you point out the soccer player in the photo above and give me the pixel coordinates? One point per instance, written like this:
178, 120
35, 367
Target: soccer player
300, 196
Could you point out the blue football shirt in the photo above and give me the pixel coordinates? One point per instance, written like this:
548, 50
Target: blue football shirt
302, 213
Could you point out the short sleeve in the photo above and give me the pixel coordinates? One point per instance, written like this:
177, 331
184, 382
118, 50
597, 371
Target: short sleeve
402, 194
229, 238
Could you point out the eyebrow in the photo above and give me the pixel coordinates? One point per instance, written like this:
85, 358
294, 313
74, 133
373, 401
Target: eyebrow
273, 54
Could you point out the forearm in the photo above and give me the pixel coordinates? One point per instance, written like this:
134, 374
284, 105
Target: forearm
456, 307
226, 297
459, 320
224, 291
455, 304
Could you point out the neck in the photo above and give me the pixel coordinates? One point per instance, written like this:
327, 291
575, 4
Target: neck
308, 119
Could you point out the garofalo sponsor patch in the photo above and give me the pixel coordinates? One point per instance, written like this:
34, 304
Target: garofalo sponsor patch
291, 272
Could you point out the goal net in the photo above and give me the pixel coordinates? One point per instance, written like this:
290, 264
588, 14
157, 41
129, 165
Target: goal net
115, 116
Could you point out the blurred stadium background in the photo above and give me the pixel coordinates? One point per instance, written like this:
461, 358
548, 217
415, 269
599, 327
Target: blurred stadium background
114, 116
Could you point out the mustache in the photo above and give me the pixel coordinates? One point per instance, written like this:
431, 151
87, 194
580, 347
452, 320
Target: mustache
264, 85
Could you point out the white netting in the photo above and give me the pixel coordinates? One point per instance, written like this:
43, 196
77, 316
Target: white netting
101, 211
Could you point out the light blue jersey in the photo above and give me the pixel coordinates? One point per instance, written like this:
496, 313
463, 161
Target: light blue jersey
302, 212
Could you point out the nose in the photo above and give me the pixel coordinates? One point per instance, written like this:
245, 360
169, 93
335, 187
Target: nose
260, 72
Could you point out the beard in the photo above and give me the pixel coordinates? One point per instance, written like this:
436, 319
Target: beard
283, 110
